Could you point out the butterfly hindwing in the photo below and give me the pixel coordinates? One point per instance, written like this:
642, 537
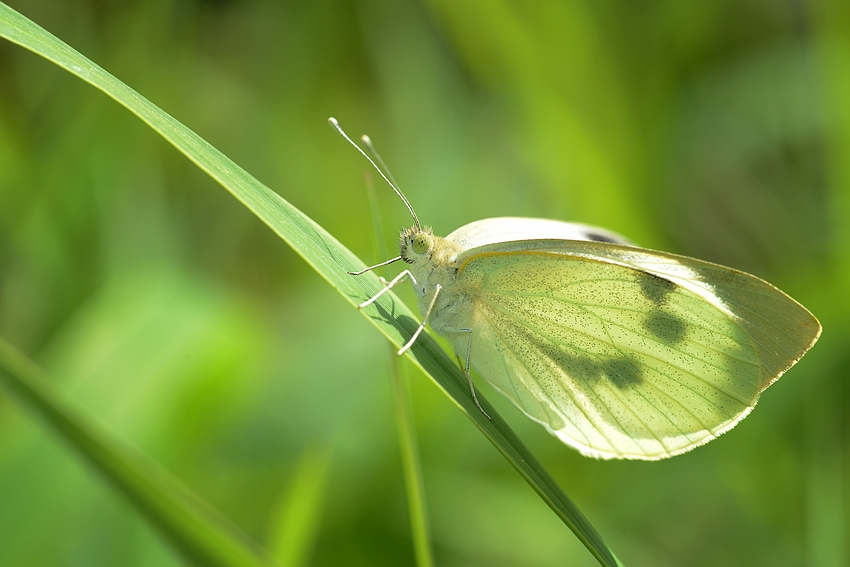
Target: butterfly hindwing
623, 352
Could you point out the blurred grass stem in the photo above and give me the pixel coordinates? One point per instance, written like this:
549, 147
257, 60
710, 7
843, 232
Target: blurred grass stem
298, 519
200, 533
411, 463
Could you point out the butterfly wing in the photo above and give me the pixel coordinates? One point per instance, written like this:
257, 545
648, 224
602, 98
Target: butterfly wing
504, 229
623, 352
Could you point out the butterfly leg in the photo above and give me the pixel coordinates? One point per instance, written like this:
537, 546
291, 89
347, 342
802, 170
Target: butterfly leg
387, 286
465, 368
370, 268
412, 340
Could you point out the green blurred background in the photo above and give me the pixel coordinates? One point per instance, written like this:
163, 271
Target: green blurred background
717, 129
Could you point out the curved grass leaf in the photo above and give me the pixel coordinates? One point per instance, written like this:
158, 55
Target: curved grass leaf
326, 255
200, 533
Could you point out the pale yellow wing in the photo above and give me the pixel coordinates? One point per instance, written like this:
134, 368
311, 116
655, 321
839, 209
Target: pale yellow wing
623, 352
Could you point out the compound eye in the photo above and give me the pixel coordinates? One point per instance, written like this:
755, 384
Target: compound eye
421, 243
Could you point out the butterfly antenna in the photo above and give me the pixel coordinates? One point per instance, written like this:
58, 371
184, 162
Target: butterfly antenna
367, 141
388, 177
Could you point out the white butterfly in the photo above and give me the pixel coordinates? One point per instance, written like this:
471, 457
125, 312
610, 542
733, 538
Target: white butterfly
619, 351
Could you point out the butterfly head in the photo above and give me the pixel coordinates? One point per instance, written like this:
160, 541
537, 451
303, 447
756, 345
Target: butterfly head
415, 243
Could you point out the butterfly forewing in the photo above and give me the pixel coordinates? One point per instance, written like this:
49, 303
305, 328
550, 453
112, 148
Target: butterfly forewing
623, 352
781, 329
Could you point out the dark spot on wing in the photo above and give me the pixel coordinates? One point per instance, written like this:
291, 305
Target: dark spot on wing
623, 372
598, 237
667, 328
575, 365
655, 288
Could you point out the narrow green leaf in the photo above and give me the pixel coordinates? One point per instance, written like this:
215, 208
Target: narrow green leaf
201, 534
413, 484
297, 519
417, 506
326, 255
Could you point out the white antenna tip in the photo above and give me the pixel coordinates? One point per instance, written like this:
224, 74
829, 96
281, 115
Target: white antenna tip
387, 176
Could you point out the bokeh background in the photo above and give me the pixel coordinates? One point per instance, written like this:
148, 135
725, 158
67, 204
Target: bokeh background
718, 129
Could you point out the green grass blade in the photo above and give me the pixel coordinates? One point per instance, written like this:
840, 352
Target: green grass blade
326, 255
414, 485
201, 534
298, 518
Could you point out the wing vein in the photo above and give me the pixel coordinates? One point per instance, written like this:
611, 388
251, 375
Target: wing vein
569, 392
551, 339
